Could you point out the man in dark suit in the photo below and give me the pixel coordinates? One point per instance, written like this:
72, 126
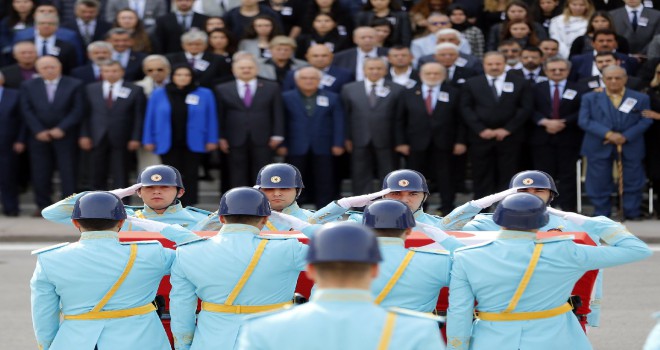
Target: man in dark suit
353, 59
602, 61
52, 109
531, 59
556, 137
428, 129
208, 67
320, 57
450, 35
495, 106
370, 109
48, 44
112, 125
604, 40
613, 118
25, 54
171, 26
251, 120
97, 52
637, 23
401, 70
315, 134
121, 42
11, 144
89, 26
447, 54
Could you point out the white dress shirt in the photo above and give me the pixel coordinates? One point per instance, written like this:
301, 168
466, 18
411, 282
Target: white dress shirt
116, 86
631, 9
241, 87
359, 67
499, 82
368, 85
435, 93
50, 43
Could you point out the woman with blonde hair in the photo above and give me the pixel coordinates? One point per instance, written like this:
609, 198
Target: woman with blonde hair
571, 24
129, 20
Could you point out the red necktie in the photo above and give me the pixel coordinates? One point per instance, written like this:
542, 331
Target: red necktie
555, 102
428, 101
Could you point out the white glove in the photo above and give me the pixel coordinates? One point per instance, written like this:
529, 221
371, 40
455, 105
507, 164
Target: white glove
572, 217
433, 232
293, 221
489, 200
125, 192
361, 201
148, 225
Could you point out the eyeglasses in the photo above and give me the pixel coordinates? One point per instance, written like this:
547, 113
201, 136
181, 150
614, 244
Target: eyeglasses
557, 69
443, 23
156, 69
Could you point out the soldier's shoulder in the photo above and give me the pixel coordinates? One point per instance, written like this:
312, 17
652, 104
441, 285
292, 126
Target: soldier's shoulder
152, 241
416, 314
199, 211
430, 251
555, 239
271, 236
49, 248
192, 241
471, 247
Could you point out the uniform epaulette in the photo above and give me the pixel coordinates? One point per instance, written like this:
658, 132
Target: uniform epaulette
478, 245
424, 315
152, 241
431, 251
555, 239
277, 236
199, 239
198, 210
49, 248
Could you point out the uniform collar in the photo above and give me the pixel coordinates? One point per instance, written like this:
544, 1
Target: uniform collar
418, 213
235, 228
99, 235
342, 295
510, 234
291, 208
170, 210
390, 241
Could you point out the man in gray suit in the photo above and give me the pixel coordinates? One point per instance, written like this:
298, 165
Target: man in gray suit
637, 23
147, 10
370, 111
112, 125
251, 120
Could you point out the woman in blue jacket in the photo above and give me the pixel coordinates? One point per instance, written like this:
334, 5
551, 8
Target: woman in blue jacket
180, 125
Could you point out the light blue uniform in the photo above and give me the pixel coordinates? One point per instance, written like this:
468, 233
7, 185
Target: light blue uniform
467, 218
653, 340
209, 269
212, 222
491, 272
73, 278
345, 319
333, 212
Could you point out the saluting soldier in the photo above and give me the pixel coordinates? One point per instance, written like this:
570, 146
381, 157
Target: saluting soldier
521, 283
235, 273
160, 187
103, 288
343, 261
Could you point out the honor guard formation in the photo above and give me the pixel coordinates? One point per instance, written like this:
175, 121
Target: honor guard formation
485, 99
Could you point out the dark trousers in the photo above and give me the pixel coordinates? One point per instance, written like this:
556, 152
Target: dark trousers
45, 158
108, 159
187, 162
600, 185
437, 164
366, 160
245, 162
318, 174
559, 160
494, 163
8, 179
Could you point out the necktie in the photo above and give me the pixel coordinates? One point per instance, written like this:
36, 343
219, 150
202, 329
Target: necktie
50, 89
428, 101
184, 22
108, 101
493, 89
192, 62
44, 48
556, 99
372, 96
247, 98
87, 34
634, 21
531, 77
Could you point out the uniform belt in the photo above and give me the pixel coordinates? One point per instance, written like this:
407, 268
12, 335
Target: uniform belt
104, 315
523, 316
241, 309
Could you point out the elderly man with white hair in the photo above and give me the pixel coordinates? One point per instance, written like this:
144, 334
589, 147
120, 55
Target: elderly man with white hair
436, 22
209, 68
447, 54
97, 52
449, 35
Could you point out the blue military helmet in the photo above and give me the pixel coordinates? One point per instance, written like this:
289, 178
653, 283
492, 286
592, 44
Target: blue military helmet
534, 179
406, 180
280, 175
98, 205
521, 211
160, 175
343, 242
388, 214
244, 201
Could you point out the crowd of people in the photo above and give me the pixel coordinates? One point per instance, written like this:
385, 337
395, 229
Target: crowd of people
339, 88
